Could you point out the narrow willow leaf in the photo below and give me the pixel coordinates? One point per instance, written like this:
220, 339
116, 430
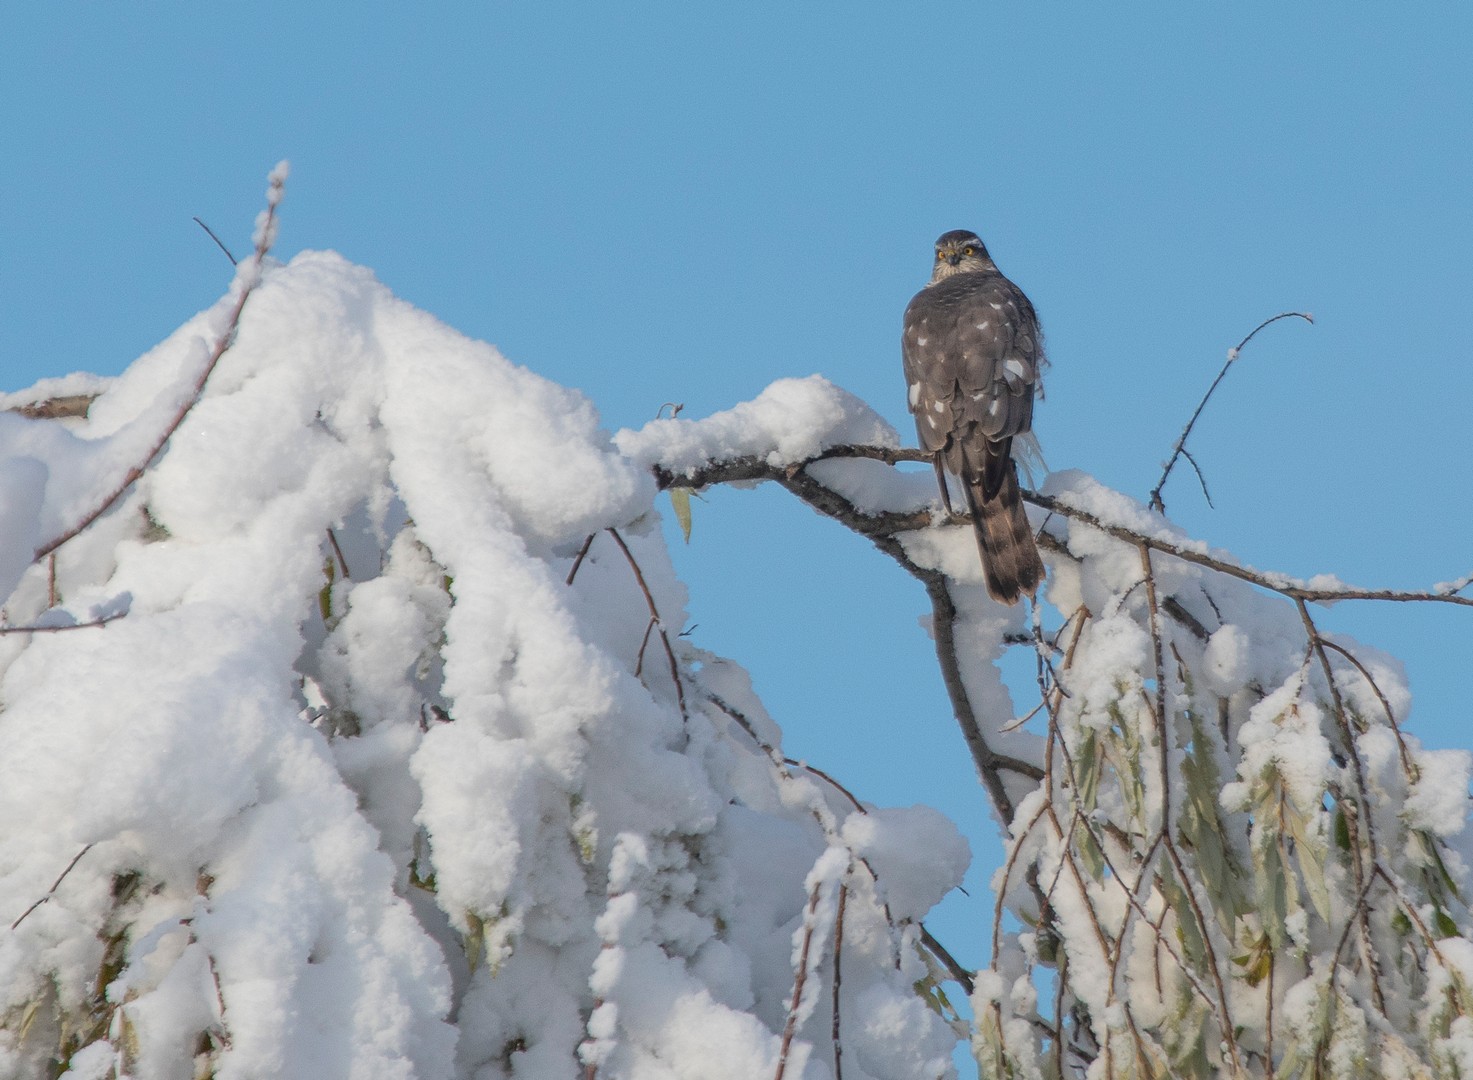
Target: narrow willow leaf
680, 500
1311, 861
1090, 853
1087, 771
474, 942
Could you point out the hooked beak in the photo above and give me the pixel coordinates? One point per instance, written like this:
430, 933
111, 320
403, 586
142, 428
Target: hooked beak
953, 257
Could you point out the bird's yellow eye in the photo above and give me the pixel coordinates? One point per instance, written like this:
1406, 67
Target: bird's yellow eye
969, 250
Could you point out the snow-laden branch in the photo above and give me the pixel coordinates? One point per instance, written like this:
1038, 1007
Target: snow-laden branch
890, 522
1225, 821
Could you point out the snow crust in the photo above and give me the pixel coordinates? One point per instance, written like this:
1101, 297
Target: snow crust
358, 785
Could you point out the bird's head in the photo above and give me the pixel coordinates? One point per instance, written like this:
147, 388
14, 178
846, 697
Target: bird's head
958, 252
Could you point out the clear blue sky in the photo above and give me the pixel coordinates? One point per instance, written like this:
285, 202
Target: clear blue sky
683, 202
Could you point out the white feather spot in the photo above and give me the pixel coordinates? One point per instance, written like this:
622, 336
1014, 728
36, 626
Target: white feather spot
922, 341
932, 421
1015, 368
995, 307
939, 406
979, 395
984, 324
994, 406
915, 394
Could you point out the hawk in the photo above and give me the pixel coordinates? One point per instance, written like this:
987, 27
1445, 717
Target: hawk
973, 353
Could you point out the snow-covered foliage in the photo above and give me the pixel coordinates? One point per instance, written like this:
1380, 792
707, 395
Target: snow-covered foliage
1237, 864
353, 778
357, 738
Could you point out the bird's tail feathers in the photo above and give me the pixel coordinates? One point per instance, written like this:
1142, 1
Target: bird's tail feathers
1010, 562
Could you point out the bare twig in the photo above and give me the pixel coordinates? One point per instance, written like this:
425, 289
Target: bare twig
58, 629
781, 765
800, 978
649, 599
218, 243
1200, 478
949, 962
1407, 764
342, 562
838, 976
1163, 728
578, 559
265, 234
54, 885
1180, 448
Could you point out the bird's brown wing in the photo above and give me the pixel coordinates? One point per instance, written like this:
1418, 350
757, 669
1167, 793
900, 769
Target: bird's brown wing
973, 355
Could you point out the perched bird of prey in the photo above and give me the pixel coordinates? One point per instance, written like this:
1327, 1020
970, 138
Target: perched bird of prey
973, 353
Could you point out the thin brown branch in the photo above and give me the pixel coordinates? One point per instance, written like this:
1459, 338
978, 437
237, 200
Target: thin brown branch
332, 539
891, 523
840, 788
800, 978
218, 242
649, 628
649, 599
1180, 448
54, 885
1278, 583
265, 235
1163, 728
59, 629
1200, 478
949, 962
1347, 731
781, 765
838, 976
1224, 1014
578, 559
1007, 873
1406, 757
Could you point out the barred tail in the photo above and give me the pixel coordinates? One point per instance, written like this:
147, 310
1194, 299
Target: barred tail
1010, 562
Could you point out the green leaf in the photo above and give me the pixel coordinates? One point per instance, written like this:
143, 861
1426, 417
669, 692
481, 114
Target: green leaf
1187, 929
474, 941
680, 500
1087, 771
1311, 858
324, 595
1091, 855
1342, 829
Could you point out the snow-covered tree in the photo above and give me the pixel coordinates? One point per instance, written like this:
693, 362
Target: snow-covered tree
346, 729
